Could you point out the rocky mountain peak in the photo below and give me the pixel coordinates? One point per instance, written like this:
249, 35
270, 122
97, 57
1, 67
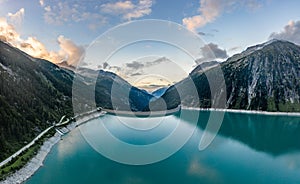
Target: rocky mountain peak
263, 77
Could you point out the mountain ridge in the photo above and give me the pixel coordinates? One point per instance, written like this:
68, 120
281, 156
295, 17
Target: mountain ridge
35, 93
263, 77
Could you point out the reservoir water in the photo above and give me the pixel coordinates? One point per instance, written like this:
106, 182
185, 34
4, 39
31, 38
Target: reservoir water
249, 148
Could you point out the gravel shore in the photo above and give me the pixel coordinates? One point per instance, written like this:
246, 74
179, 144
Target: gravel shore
37, 161
34, 164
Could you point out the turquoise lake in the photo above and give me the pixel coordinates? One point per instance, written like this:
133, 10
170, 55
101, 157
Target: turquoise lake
248, 148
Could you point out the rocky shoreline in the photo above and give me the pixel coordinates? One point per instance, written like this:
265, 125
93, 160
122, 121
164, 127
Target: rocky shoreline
37, 161
34, 164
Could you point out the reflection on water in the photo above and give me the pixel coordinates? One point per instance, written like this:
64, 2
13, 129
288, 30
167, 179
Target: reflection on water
248, 149
274, 135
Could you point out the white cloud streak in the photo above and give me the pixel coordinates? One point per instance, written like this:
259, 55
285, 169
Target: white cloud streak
211, 9
118, 7
94, 14
127, 9
59, 13
16, 18
42, 3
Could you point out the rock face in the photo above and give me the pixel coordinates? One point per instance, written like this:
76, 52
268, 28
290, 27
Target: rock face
263, 77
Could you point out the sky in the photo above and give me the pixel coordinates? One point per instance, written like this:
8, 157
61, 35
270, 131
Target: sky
63, 30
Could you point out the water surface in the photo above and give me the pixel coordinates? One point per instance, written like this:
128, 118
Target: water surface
249, 148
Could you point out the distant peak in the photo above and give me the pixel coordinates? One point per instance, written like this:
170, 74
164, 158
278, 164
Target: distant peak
65, 64
251, 49
272, 41
275, 40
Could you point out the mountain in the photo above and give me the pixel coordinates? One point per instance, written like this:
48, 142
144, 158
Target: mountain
159, 92
263, 77
109, 91
204, 66
113, 92
35, 93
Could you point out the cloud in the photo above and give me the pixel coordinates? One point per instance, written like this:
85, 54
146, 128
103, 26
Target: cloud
235, 48
253, 4
201, 33
136, 74
118, 7
69, 51
157, 61
139, 72
93, 14
211, 9
99, 21
61, 12
143, 8
205, 34
34, 47
210, 52
16, 18
147, 72
127, 9
8, 32
291, 32
42, 3
135, 65
105, 65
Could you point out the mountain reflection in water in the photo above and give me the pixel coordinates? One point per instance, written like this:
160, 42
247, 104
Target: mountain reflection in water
272, 134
